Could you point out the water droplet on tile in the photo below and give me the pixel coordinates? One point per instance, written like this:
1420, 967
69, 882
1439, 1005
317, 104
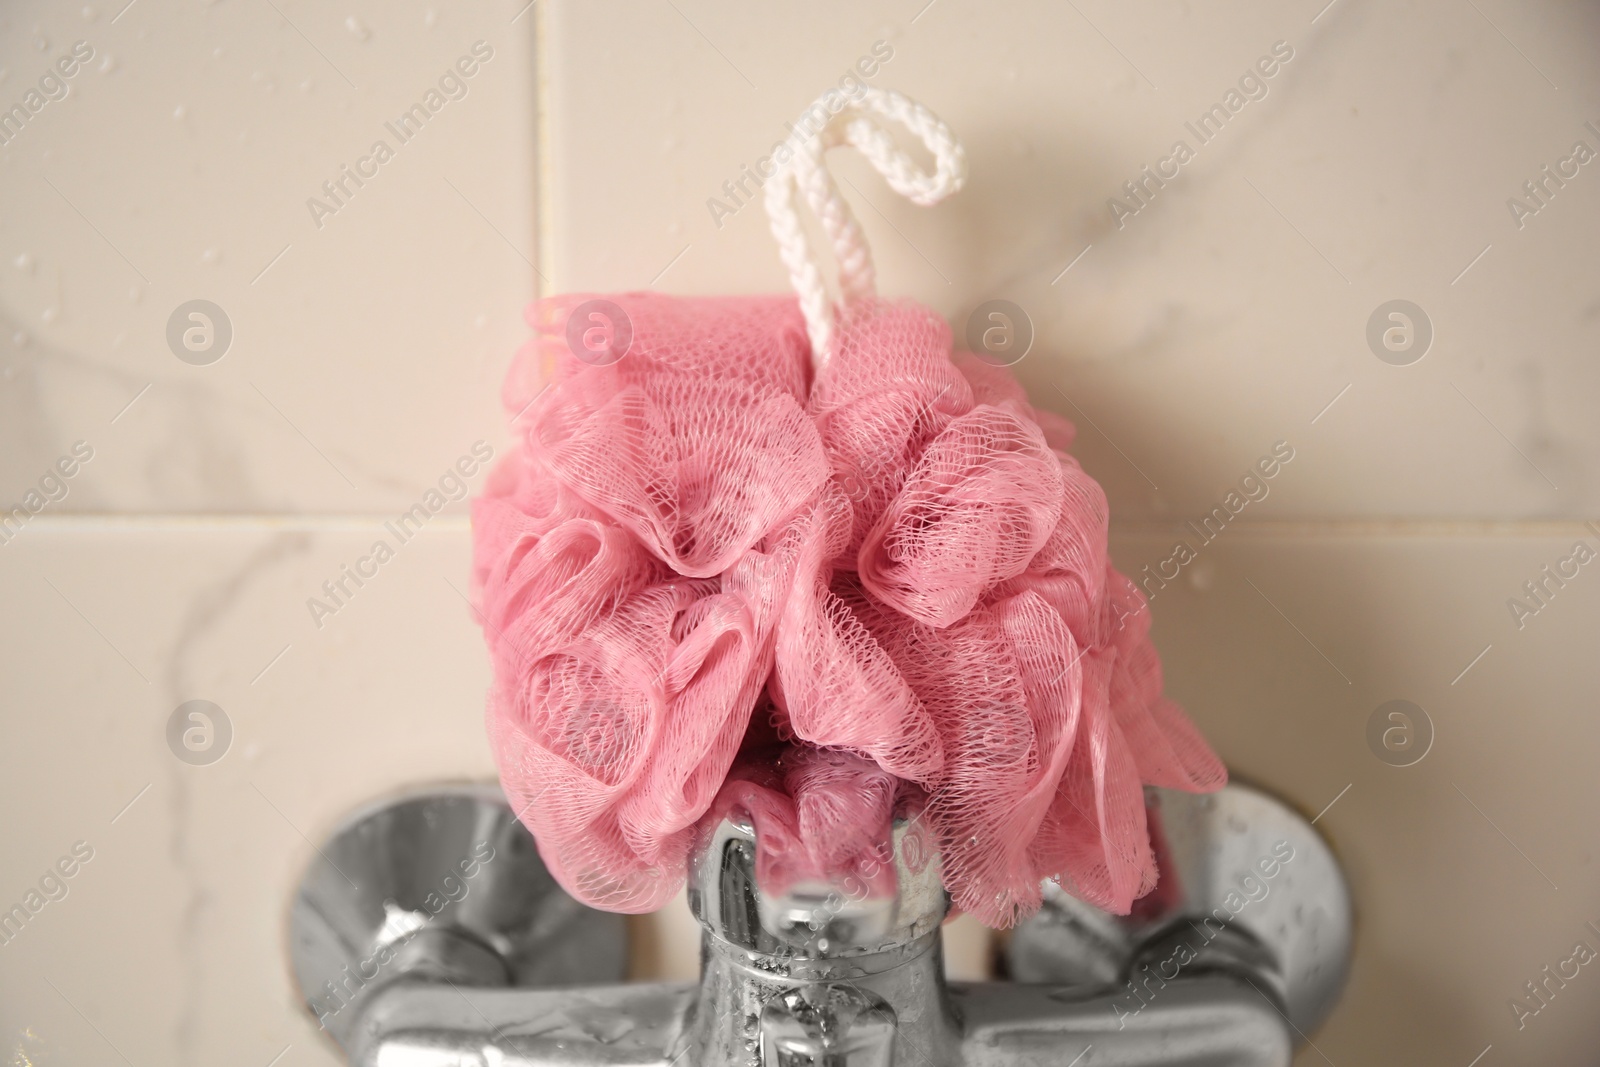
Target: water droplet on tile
135, 294
429, 17
24, 262
108, 63
89, 13
1202, 575
480, 320
357, 27
180, 112
50, 315
42, 43
211, 256
20, 339
308, 85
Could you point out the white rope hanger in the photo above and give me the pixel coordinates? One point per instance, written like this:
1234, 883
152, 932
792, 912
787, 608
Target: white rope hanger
861, 125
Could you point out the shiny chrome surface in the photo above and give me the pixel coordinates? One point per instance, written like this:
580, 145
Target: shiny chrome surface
822, 975
809, 920
1246, 883
440, 885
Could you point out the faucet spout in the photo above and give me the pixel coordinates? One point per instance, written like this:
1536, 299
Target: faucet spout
817, 974
837, 1025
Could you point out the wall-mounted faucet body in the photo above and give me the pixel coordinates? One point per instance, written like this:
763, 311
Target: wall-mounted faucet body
1243, 945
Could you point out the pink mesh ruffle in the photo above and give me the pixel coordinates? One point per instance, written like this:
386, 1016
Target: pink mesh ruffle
897, 563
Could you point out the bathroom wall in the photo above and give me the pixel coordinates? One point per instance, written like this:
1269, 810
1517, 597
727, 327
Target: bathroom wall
1222, 314
220, 487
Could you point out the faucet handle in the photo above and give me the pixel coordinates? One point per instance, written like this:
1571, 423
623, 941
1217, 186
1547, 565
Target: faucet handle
438, 885
1246, 886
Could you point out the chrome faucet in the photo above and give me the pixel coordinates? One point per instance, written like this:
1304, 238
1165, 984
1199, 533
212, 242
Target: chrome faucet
428, 934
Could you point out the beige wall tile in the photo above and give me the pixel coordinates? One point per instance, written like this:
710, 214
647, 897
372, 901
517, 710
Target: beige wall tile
172, 940
1228, 312
179, 167
1470, 869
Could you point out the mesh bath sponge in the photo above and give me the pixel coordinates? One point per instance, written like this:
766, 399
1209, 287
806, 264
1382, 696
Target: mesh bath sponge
807, 560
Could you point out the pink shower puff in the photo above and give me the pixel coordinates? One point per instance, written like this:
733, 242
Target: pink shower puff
892, 558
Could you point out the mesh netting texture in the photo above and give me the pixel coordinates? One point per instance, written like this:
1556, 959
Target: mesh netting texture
711, 579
